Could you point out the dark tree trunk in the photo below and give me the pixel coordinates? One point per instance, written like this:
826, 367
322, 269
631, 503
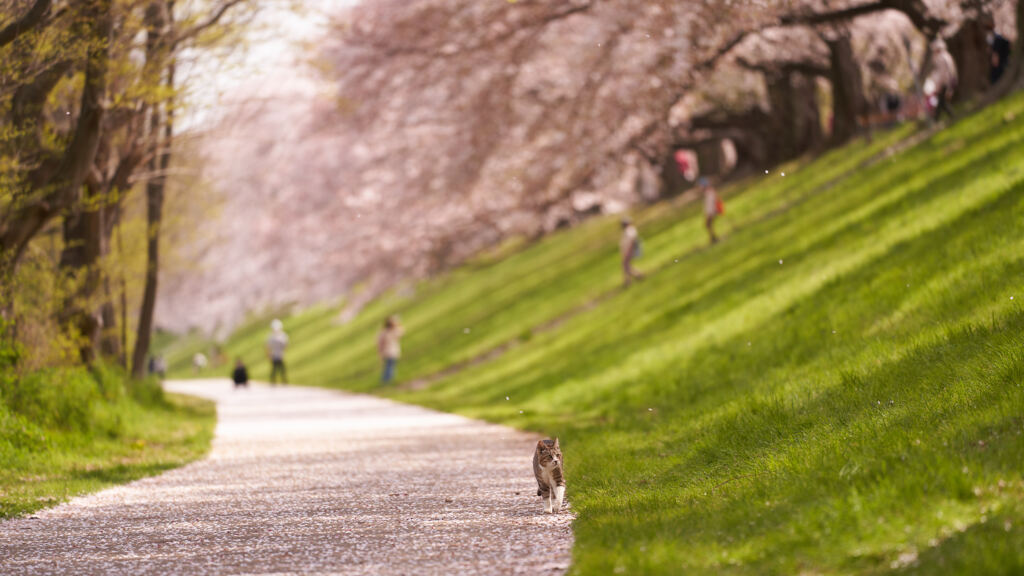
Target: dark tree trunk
970, 52
124, 304
155, 189
782, 126
159, 19
113, 341
110, 344
795, 126
848, 102
709, 158
154, 216
1015, 69
83, 230
807, 115
1017, 57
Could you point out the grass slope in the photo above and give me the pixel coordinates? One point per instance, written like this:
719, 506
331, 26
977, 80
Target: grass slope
837, 387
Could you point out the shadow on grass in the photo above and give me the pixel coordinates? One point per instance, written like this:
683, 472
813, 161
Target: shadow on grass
122, 473
782, 474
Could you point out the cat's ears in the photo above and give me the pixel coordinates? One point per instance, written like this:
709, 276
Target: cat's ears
556, 442
543, 443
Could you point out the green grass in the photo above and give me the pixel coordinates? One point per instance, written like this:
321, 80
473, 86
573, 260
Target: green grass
52, 450
837, 387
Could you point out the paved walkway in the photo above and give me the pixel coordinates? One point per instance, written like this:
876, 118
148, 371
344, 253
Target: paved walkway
302, 480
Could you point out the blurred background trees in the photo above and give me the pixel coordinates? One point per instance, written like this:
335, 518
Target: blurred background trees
88, 99
430, 131
444, 127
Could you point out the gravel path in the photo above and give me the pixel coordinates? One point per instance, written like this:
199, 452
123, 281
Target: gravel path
303, 480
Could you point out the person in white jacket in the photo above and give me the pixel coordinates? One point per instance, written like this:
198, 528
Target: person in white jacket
942, 79
276, 344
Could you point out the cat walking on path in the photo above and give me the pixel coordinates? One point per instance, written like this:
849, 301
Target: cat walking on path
547, 467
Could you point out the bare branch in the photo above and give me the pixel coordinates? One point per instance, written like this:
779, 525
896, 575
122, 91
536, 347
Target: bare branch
916, 10
210, 22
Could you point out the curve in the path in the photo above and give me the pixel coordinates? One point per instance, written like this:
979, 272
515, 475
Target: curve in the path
304, 480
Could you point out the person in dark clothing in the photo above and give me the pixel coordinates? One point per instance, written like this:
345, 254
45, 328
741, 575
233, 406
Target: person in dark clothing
240, 374
999, 51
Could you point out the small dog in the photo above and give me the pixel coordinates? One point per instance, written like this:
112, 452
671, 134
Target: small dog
547, 467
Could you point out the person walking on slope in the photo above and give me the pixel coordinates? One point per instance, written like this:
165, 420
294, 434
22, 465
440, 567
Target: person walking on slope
199, 362
712, 207
276, 344
629, 248
389, 347
942, 80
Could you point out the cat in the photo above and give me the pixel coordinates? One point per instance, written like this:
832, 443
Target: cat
547, 467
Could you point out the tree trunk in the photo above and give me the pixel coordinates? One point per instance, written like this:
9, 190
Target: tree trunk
795, 126
709, 158
81, 258
1017, 56
110, 345
970, 53
159, 20
848, 103
155, 189
807, 114
783, 126
124, 302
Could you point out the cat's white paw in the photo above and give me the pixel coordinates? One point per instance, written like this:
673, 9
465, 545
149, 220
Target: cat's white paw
559, 496
547, 509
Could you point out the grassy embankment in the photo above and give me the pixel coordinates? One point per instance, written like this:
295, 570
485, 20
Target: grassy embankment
66, 432
837, 387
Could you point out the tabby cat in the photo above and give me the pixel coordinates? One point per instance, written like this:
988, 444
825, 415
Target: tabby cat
547, 467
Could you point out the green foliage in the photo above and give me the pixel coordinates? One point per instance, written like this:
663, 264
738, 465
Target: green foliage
40, 467
62, 398
69, 430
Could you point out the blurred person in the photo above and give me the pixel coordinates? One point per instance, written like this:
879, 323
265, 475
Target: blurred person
683, 164
629, 248
199, 362
218, 356
942, 79
160, 366
885, 91
389, 347
999, 50
276, 344
240, 375
712, 207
